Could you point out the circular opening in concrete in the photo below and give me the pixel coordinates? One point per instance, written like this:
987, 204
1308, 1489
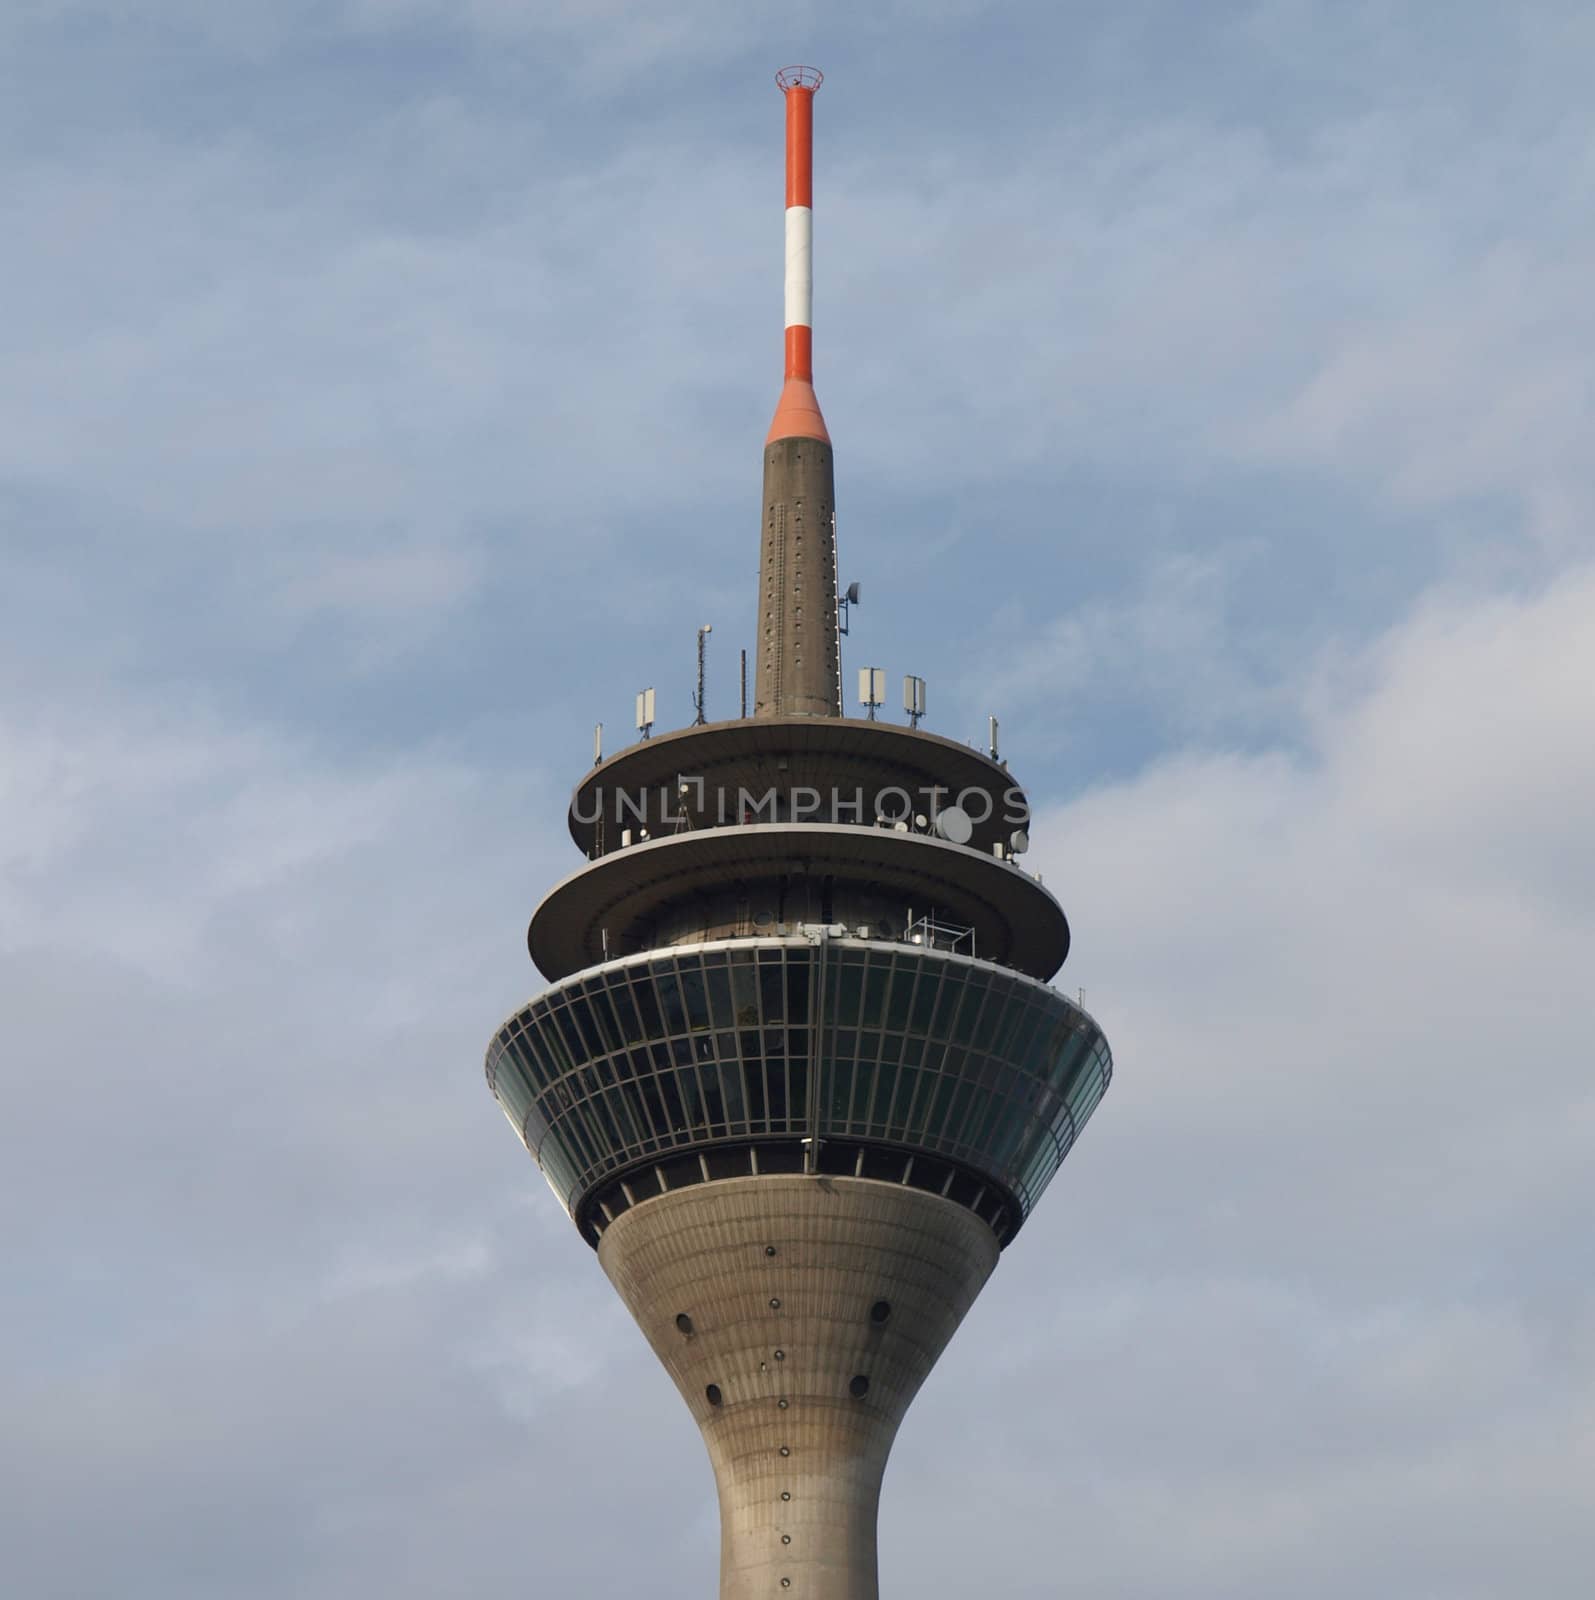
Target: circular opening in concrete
713, 1393
775, 1302
683, 1322
880, 1311
786, 1494
786, 1538
769, 1249
786, 1450
782, 1402
859, 1387
780, 1355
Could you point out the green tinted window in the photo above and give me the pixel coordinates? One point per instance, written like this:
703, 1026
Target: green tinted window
642, 991
744, 992
968, 1017
948, 996
878, 1114
901, 996
849, 993
772, 994
798, 970
626, 1011
718, 981
874, 1000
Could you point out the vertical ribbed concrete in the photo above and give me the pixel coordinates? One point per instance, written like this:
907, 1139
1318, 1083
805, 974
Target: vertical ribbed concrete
781, 1293
798, 671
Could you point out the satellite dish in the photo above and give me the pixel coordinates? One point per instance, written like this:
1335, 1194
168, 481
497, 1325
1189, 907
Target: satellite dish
1019, 841
852, 594
953, 825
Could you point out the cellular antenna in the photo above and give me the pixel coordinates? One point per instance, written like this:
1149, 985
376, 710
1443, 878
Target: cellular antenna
697, 699
872, 689
798, 670
914, 698
844, 607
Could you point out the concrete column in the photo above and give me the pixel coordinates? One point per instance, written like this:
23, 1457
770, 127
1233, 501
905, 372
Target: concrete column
798, 1316
797, 662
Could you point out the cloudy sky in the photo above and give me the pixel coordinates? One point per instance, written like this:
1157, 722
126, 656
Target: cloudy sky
382, 385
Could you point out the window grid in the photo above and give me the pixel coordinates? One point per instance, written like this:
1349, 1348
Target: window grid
689, 1048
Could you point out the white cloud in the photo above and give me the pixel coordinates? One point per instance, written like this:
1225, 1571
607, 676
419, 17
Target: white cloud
177, 821
1298, 1301
1167, 649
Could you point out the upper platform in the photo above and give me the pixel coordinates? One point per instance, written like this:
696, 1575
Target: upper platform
712, 775
637, 898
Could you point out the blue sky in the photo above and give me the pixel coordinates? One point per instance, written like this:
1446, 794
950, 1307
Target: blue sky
382, 386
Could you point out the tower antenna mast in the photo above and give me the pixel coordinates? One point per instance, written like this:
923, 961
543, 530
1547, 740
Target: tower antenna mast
798, 669
697, 698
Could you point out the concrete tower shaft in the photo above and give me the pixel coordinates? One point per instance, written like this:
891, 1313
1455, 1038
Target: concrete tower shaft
798, 661
798, 1318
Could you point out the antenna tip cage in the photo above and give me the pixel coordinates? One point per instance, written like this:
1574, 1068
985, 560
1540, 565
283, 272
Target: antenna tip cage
809, 78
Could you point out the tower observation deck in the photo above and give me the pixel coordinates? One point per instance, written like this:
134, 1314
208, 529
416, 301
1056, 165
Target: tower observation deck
801, 1075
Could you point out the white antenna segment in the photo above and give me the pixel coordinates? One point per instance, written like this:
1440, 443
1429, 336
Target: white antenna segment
645, 711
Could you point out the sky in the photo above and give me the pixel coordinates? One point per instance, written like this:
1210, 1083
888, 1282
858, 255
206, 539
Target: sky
382, 388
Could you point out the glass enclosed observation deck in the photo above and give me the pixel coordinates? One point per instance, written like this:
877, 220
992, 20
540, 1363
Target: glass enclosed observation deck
808, 1053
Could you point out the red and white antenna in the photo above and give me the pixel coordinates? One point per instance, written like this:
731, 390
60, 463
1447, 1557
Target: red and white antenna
797, 416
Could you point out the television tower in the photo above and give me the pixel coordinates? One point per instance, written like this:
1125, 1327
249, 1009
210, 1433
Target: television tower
801, 1076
